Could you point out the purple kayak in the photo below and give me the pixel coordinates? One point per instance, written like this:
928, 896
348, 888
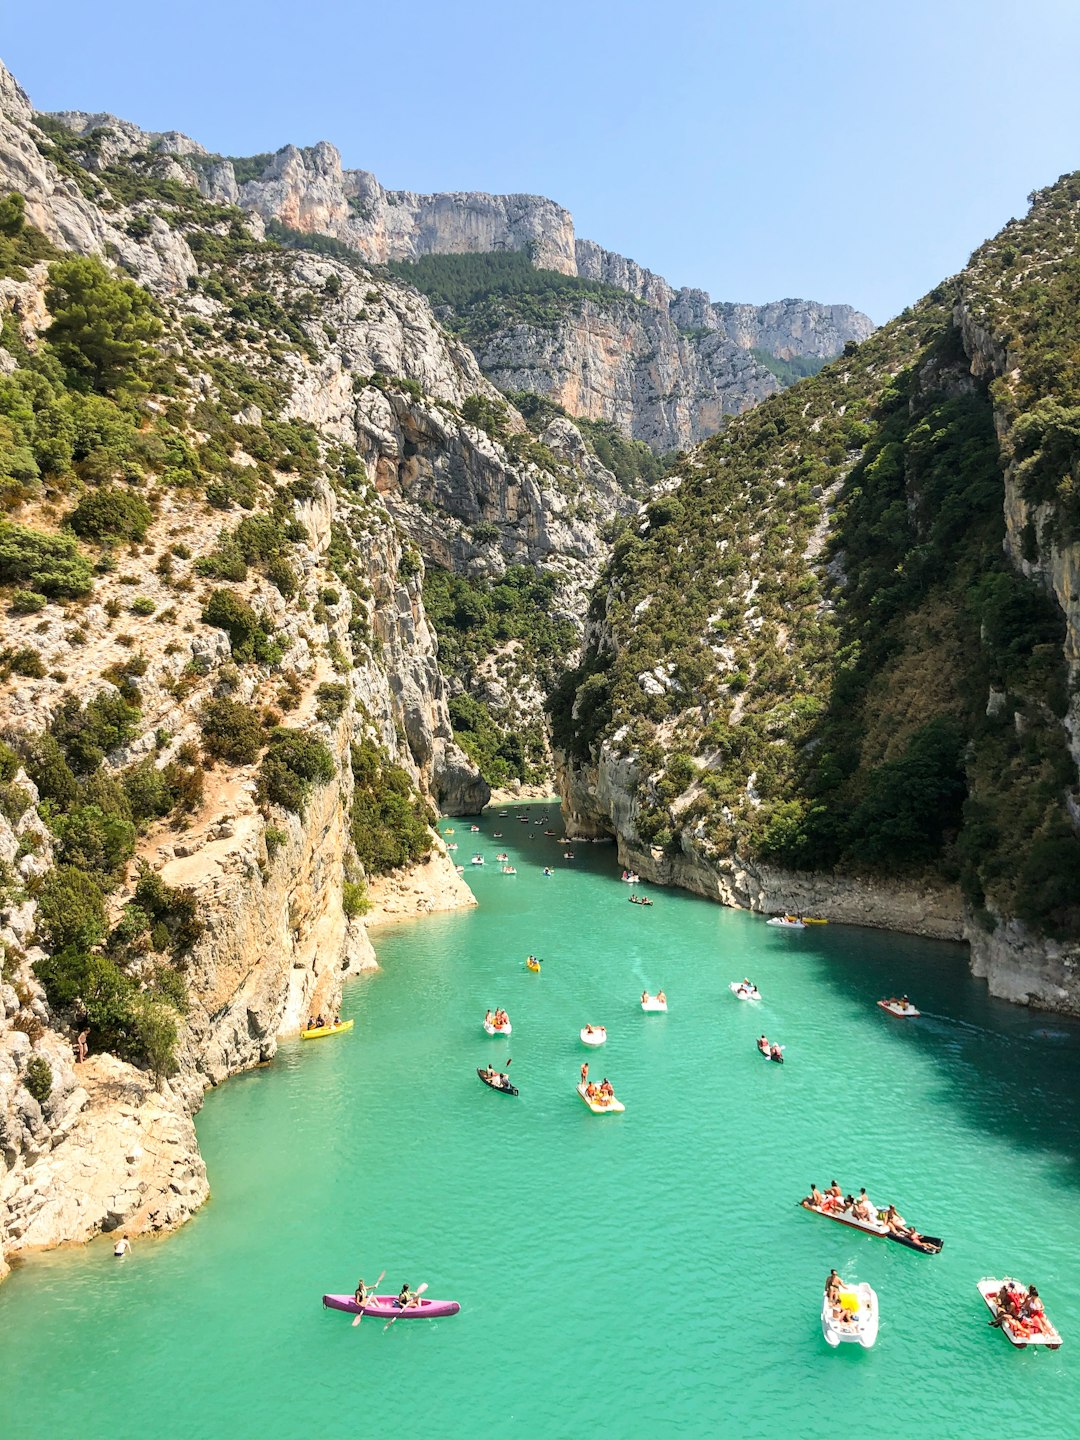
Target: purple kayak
385, 1307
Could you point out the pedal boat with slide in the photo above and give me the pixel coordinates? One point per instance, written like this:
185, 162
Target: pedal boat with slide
929, 1245
607, 1106
320, 1032
861, 1303
1013, 1330
385, 1307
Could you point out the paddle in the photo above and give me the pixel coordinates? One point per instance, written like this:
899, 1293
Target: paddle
416, 1296
373, 1290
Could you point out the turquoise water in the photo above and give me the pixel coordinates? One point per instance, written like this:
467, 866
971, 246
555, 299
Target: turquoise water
633, 1275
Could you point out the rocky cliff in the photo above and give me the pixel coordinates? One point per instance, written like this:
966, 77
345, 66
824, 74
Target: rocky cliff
217, 665
835, 665
666, 369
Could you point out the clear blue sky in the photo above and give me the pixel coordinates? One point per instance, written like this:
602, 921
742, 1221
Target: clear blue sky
838, 150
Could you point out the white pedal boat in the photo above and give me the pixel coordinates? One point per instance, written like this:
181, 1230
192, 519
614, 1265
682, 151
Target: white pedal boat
477, 860
631, 879
989, 1288
787, 922
610, 1106
744, 992
652, 1003
593, 1034
498, 1029
861, 1303
902, 1012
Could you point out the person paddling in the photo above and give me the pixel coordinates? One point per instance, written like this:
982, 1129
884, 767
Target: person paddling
361, 1294
407, 1298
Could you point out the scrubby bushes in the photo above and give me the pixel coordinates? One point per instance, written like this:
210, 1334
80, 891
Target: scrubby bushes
70, 909
390, 824
108, 512
249, 634
87, 733
293, 764
231, 732
39, 1078
48, 564
102, 326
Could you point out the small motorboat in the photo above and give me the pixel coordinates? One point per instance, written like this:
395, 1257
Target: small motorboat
787, 922
594, 1034
533, 964
926, 1244
385, 1307
855, 1319
743, 990
320, 1032
477, 860
497, 1080
1018, 1332
654, 1002
601, 1105
902, 1009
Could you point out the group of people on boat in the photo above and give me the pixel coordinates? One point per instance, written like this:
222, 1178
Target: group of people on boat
598, 1094
639, 900
1020, 1311
747, 990
631, 878
497, 1078
496, 1018
834, 1201
902, 1004
406, 1298
773, 1051
323, 1022
659, 996
834, 1290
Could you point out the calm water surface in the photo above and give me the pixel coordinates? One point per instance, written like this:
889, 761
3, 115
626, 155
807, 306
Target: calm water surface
619, 1276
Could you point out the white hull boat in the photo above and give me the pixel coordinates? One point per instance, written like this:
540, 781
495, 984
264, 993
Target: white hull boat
860, 1303
652, 1003
902, 1012
1015, 1331
498, 1029
743, 992
785, 922
593, 1035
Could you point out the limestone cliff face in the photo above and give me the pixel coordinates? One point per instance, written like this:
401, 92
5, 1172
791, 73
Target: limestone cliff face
665, 369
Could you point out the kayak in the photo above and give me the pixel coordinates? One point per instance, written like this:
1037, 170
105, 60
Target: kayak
787, 922
322, 1030
610, 1106
1015, 1331
779, 1059
930, 1244
814, 920
861, 1304
596, 1035
385, 1307
739, 990
497, 1082
652, 1003
902, 1012
504, 1029
533, 965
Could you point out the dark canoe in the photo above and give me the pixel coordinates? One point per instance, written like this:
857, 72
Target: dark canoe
930, 1244
497, 1082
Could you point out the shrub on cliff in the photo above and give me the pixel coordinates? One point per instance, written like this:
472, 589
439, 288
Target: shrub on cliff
87, 733
48, 564
292, 765
39, 1078
249, 636
102, 326
94, 842
177, 909
70, 909
110, 512
231, 732
390, 824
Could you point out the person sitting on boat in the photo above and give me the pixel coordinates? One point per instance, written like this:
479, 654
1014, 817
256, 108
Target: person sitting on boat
407, 1297
489, 1017
361, 1294
763, 1044
815, 1198
863, 1209
776, 1052
1032, 1312
661, 997
645, 997
606, 1087
835, 1191
833, 1286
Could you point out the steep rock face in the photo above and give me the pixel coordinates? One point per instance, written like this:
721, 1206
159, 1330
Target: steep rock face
665, 370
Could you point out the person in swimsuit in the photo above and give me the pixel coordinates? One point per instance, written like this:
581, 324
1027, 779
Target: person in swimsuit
833, 1285
661, 997
406, 1298
815, 1197
585, 1073
121, 1248
763, 1044
361, 1293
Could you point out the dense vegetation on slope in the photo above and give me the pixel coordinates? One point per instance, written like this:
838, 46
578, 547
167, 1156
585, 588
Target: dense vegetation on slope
816, 648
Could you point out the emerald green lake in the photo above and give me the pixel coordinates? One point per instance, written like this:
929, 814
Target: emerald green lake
626, 1275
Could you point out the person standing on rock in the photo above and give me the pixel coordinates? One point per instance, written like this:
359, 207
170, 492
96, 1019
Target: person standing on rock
80, 1047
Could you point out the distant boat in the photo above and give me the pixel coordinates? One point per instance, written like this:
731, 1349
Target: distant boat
787, 922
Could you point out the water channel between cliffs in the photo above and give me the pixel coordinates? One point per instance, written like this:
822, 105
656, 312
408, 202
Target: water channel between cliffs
634, 1275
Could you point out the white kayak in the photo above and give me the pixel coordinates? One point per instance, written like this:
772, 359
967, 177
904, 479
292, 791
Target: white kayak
593, 1034
857, 1321
744, 992
651, 1002
787, 922
902, 1012
609, 1106
498, 1029
1016, 1331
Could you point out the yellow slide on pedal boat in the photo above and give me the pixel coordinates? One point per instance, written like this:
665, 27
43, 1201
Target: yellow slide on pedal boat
321, 1030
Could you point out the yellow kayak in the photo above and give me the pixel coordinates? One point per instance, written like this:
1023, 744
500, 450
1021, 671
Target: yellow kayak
813, 920
321, 1030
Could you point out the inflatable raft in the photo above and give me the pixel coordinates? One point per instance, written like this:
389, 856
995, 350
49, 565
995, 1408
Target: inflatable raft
610, 1106
385, 1307
321, 1031
593, 1034
858, 1319
1014, 1330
